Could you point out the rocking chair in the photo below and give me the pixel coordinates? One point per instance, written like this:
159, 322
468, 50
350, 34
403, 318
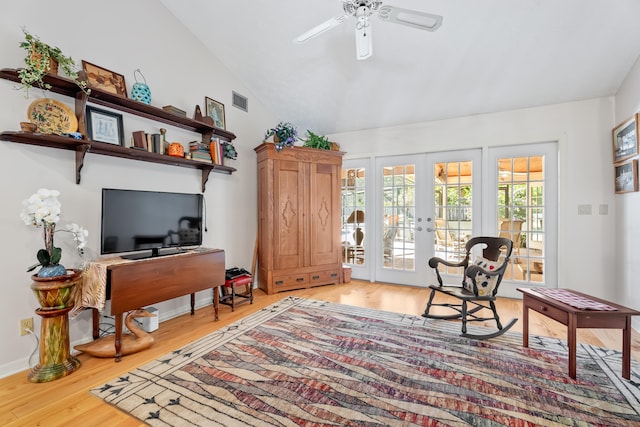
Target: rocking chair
479, 286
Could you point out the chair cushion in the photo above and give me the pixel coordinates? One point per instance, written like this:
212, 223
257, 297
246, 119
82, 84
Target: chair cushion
484, 282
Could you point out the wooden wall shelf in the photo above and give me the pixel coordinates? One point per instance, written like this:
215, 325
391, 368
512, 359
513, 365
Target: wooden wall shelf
67, 87
82, 146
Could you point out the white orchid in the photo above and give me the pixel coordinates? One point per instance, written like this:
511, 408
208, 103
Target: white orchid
42, 210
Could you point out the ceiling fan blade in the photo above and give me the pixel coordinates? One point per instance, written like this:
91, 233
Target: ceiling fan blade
412, 18
364, 44
319, 29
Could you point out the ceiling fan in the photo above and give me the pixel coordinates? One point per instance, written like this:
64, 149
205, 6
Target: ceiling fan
362, 10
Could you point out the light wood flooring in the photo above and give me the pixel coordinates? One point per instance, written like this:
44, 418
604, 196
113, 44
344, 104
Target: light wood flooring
67, 402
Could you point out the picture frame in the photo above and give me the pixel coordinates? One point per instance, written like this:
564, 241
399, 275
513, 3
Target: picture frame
103, 79
626, 176
105, 126
625, 139
215, 110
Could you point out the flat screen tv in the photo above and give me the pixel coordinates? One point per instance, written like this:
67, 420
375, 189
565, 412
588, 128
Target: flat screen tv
149, 223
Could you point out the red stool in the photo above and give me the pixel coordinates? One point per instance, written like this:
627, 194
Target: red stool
229, 290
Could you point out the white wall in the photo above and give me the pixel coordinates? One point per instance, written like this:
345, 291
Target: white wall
582, 130
121, 36
627, 267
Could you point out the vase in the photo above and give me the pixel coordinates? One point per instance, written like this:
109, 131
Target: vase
55, 293
56, 298
276, 141
53, 64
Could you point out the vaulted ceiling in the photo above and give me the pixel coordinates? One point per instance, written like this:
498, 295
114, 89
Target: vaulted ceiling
488, 56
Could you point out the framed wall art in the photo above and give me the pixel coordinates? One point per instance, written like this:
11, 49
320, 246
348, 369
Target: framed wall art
627, 176
625, 139
215, 110
103, 79
104, 126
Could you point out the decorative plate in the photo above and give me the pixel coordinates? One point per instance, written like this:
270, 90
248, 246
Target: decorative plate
51, 116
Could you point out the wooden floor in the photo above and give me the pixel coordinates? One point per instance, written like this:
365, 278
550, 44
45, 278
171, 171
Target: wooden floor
67, 402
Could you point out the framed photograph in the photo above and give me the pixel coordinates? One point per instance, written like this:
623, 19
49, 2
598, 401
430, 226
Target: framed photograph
103, 79
627, 176
215, 110
625, 139
104, 126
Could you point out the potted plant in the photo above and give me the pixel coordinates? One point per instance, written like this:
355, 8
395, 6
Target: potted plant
42, 59
317, 141
284, 134
42, 210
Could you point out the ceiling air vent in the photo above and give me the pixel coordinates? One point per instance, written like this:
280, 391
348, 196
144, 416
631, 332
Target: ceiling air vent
240, 101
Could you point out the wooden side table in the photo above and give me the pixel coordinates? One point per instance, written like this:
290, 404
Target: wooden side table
574, 318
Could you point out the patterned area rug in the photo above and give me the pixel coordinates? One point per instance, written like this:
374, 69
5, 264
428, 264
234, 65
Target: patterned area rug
303, 362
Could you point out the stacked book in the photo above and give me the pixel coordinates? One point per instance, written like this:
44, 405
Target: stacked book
200, 152
216, 147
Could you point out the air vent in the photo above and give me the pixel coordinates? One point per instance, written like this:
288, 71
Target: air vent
240, 102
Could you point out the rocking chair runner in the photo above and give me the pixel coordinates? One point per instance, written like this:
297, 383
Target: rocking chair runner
480, 283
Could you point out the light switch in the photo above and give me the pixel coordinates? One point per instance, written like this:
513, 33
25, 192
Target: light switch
584, 209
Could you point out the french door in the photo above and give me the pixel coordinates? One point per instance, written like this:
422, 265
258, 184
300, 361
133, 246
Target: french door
425, 206
399, 211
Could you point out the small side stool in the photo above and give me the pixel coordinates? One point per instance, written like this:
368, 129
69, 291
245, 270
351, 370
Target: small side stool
229, 290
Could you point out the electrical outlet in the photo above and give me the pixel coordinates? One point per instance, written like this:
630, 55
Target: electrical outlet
26, 324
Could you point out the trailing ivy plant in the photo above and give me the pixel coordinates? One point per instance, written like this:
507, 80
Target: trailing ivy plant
38, 65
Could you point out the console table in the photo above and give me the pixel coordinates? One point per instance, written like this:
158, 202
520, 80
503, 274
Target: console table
611, 316
147, 281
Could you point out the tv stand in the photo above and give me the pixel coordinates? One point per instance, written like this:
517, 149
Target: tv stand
148, 281
155, 253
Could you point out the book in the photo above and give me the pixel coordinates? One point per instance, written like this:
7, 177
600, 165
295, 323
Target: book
202, 160
139, 140
199, 155
198, 146
157, 143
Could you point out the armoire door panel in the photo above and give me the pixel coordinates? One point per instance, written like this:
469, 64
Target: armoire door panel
324, 214
288, 225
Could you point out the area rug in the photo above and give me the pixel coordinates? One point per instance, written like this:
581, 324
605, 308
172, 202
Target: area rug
304, 362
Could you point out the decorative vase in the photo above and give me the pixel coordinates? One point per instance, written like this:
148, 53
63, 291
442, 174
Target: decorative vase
276, 141
55, 295
140, 91
52, 271
53, 64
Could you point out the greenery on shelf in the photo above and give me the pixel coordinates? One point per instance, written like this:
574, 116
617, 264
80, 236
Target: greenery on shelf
38, 64
230, 151
317, 141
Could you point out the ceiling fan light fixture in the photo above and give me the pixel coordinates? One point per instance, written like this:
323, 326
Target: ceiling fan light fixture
362, 10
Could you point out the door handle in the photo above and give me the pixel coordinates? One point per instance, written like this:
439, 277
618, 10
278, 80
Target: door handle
431, 230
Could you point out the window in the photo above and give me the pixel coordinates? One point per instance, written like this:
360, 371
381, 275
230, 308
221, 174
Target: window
526, 197
453, 191
353, 214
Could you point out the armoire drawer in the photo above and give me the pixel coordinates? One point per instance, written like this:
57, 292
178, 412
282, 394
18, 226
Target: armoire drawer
290, 280
325, 276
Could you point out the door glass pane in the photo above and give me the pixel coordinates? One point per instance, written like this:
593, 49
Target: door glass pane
521, 215
398, 235
453, 184
353, 230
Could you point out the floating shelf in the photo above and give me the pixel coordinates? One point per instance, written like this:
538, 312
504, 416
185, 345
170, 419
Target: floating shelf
67, 87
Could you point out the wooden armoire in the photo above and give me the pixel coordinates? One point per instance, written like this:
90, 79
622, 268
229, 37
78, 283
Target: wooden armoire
299, 240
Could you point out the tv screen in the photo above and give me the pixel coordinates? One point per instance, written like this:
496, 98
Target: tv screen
134, 221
